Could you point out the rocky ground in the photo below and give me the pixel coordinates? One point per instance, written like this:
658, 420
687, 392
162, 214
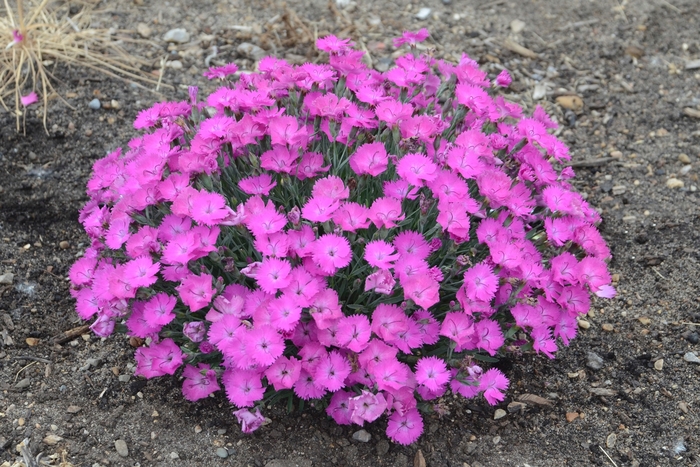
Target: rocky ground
623, 80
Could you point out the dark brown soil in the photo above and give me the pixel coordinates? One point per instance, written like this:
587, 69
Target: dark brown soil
625, 59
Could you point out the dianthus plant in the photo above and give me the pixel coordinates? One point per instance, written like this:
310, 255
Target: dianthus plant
368, 241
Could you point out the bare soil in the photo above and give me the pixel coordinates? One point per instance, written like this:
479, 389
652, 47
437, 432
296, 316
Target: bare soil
625, 59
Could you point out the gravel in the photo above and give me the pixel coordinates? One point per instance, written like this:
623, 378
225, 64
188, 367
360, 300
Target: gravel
95, 104
122, 449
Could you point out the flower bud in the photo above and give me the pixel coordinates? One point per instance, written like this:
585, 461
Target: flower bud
435, 244
294, 215
195, 331
206, 347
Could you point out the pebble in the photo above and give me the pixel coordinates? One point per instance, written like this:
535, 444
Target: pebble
515, 407
423, 13
382, 447
122, 449
517, 26
64, 245
571, 416
32, 341
683, 406
644, 320
619, 189
143, 30
124, 378
115, 104
603, 392
222, 452
7, 278
419, 459
174, 64
362, 436
611, 440
690, 357
674, 183
52, 439
251, 51
95, 104
197, 429
499, 413
174, 455
583, 324
73, 409
659, 364
594, 361
693, 338
26, 382
177, 35
684, 158
607, 327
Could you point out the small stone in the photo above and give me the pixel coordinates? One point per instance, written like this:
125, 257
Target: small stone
594, 361
174, 455
674, 183
419, 459
52, 439
122, 449
73, 409
517, 26
64, 245
197, 429
174, 64
603, 392
423, 13
619, 189
115, 104
644, 320
539, 92
571, 102
617, 154
177, 35
362, 436
95, 104
683, 406
154, 413
659, 364
684, 158
20, 422
515, 407
690, 357
583, 324
607, 327
571, 416
629, 218
7, 278
382, 447
124, 378
222, 452
693, 338
32, 341
143, 30
499, 413
251, 51
611, 440
26, 382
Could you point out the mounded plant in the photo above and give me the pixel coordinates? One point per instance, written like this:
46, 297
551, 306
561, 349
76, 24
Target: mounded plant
368, 241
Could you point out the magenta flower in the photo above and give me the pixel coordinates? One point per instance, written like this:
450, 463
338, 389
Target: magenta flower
30, 98
405, 428
480, 282
221, 72
370, 158
492, 382
339, 407
416, 169
380, 254
259, 185
503, 79
432, 373
249, 421
385, 212
331, 252
331, 371
199, 382
422, 289
273, 274
196, 291
381, 281
411, 38
243, 387
366, 407
354, 332
283, 373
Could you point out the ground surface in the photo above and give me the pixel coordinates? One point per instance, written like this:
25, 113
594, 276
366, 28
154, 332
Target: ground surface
625, 59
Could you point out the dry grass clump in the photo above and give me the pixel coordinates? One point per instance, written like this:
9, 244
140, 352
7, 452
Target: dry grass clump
35, 35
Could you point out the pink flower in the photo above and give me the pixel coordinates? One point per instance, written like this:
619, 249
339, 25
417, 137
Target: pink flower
273, 274
381, 281
258, 185
339, 407
325, 308
410, 243
30, 98
306, 387
432, 373
249, 421
284, 373
376, 353
351, 217
284, 313
141, 272
458, 327
370, 158
331, 371
366, 407
503, 79
243, 387
411, 38
405, 428
265, 345
331, 187
542, 341
488, 336
158, 310
331, 252
422, 289
480, 282
416, 169
385, 212
196, 291
279, 159
354, 332
310, 165
393, 112
388, 321
319, 208
286, 131
199, 382
221, 72
492, 382
333, 45
380, 254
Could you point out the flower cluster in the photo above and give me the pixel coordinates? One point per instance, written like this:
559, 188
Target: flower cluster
327, 232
